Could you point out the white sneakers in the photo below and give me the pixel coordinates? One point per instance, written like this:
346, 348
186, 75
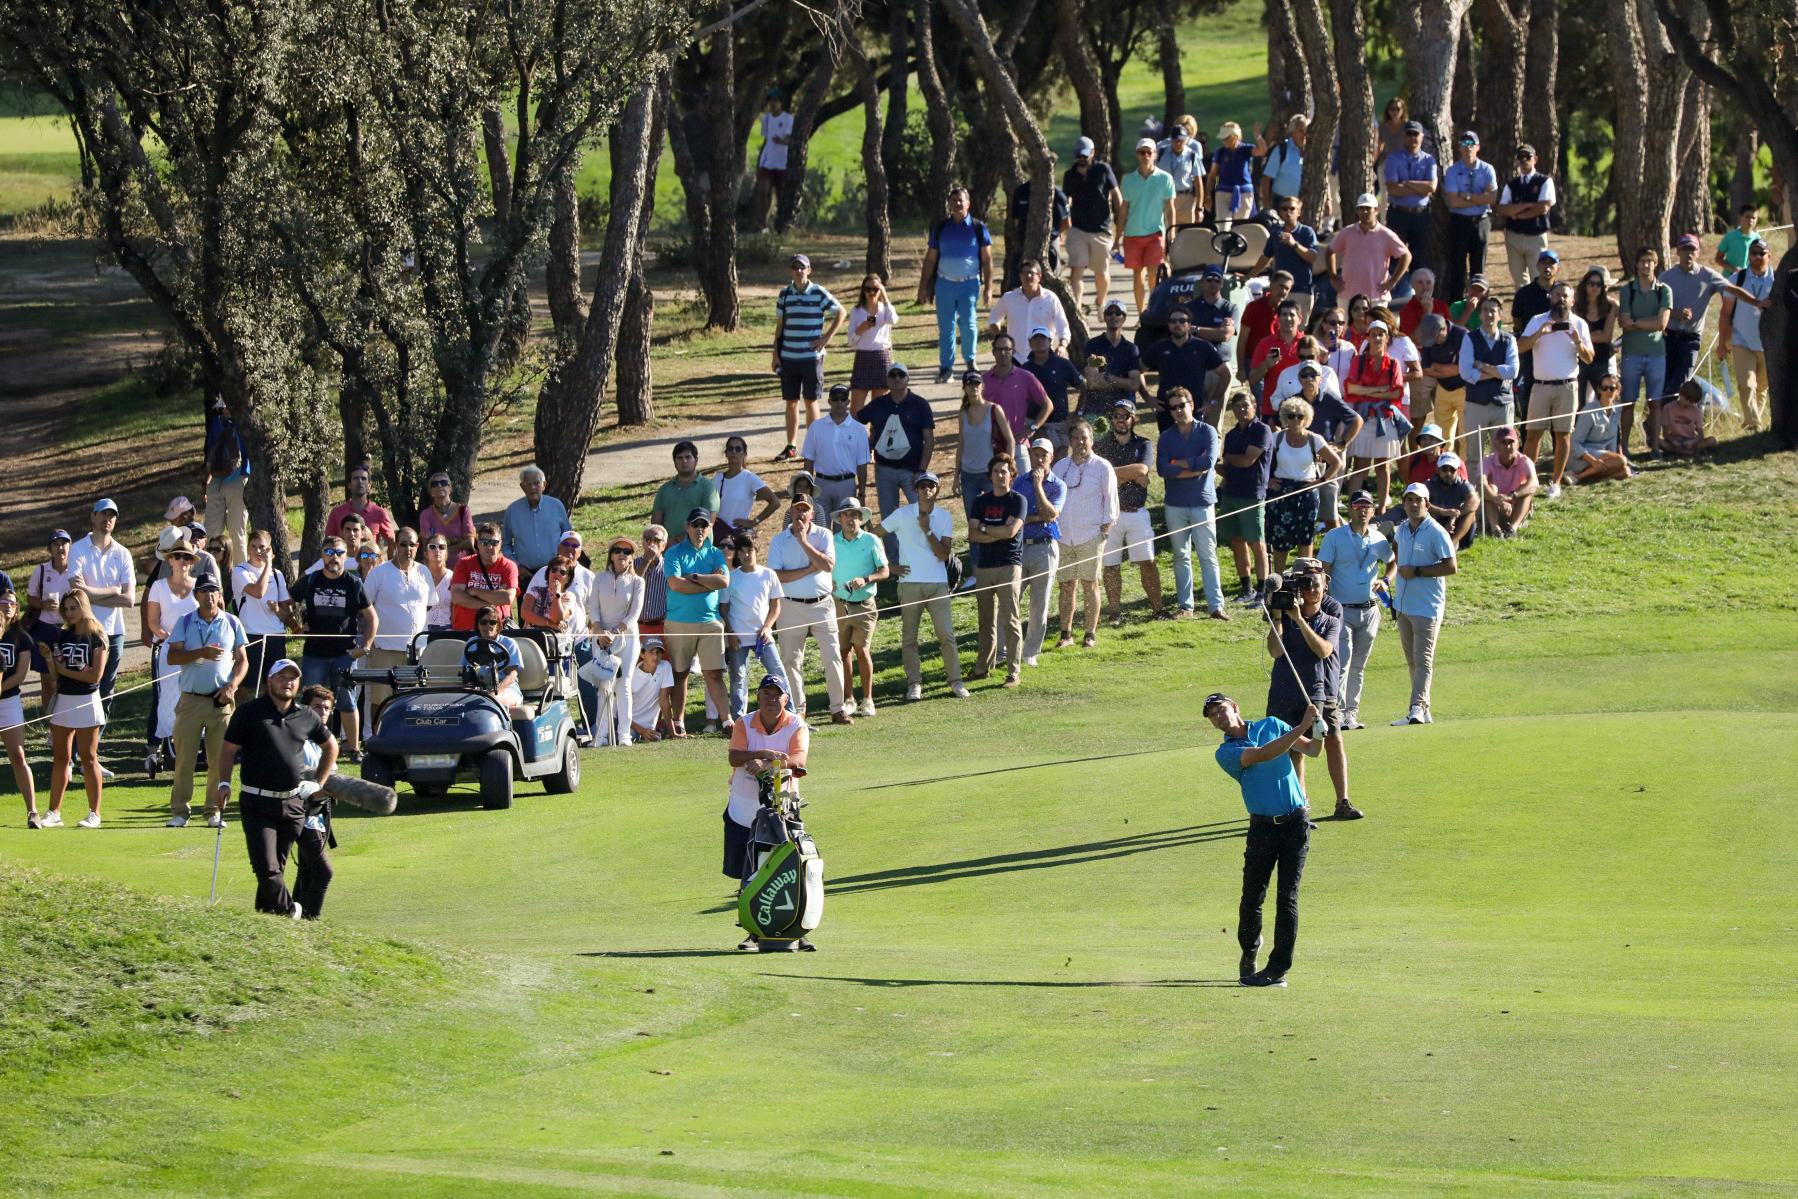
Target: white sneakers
298, 913
958, 691
91, 820
50, 820
1417, 715
1554, 491
1030, 661
176, 822
867, 707
216, 820
914, 693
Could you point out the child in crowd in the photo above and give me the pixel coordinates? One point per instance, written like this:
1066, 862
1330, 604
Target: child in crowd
1682, 423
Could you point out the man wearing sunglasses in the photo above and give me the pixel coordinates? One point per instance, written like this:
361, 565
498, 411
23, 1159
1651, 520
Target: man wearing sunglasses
333, 610
486, 577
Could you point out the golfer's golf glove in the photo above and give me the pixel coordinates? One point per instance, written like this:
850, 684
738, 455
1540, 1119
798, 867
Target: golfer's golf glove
306, 790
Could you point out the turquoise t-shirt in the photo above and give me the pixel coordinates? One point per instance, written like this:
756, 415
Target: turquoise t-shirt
1146, 195
856, 560
1734, 247
683, 559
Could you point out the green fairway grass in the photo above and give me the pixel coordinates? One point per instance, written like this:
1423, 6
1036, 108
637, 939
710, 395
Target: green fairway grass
1556, 960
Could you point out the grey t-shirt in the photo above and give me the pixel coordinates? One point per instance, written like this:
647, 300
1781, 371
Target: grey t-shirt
1691, 289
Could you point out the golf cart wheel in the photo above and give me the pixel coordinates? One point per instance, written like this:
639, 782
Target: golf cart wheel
377, 769
566, 779
496, 780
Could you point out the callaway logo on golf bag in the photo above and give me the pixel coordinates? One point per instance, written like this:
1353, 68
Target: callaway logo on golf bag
783, 895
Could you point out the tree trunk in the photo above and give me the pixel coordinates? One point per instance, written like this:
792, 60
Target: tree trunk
1074, 41
995, 164
635, 385
1355, 175
568, 406
1503, 58
1109, 75
1782, 351
937, 113
1288, 82
499, 168
1741, 180
898, 89
1173, 82
562, 272
352, 412
265, 496
1464, 107
1541, 117
1430, 65
879, 257
1651, 85
315, 507
805, 118
1693, 211
1314, 40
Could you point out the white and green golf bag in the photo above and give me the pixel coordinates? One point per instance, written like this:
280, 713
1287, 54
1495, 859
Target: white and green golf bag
782, 896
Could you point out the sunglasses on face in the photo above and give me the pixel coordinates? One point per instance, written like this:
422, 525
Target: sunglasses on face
440, 482
437, 545
621, 552
489, 624
489, 541
1607, 387
332, 553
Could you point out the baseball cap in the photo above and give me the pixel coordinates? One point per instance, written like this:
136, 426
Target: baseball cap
928, 477
207, 583
1525, 150
1212, 700
1115, 306
1147, 143
1448, 460
57, 535
972, 376
280, 664
800, 260
196, 529
1478, 281
1468, 138
1309, 370
1417, 489
1413, 126
774, 681
1687, 239
1505, 433
176, 507
799, 501
700, 516
1361, 497
106, 506
1043, 444
1083, 148
838, 392
1431, 429
1212, 271
1380, 325
1548, 255
571, 535
1124, 402
898, 368
1039, 331
1366, 200
653, 643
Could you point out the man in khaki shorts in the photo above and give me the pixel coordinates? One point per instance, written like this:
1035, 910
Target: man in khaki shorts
697, 574
1093, 202
1561, 342
861, 562
1088, 511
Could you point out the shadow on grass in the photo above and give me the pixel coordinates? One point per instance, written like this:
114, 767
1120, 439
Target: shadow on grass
974, 774
1008, 982
660, 953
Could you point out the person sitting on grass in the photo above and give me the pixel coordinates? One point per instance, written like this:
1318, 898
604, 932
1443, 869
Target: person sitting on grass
1593, 453
1507, 484
490, 660
651, 684
1682, 423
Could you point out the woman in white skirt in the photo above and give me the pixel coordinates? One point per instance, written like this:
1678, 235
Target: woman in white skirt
77, 658
171, 597
15, 665
1375, 388
614, 606
871, 324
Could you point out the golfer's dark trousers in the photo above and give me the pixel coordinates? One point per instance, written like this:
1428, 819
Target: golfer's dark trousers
1273, 845
314, 878
1467, 237
270, 828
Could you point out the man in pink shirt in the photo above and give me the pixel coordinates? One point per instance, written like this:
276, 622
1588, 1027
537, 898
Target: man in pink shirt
1507, 484
1018, 393
1368, 258
378, 520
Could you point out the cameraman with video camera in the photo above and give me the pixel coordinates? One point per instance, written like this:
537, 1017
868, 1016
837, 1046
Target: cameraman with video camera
1302, 638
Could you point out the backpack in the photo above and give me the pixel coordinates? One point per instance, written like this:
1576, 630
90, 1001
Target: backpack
225, 455
936, 232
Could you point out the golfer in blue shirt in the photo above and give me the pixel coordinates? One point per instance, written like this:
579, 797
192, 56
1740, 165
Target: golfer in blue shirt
1257, 755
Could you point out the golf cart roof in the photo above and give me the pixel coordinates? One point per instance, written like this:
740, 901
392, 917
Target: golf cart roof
1199, 246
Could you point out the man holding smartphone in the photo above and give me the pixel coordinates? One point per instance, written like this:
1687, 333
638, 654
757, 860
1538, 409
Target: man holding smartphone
210, 646
1560, 342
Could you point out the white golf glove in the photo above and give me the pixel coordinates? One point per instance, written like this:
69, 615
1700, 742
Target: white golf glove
306, 790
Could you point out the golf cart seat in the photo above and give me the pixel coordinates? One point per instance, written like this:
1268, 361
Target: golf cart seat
1201, 245
533, 667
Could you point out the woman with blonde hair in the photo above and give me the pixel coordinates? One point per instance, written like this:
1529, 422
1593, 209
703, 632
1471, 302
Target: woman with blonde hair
1302, 459
15, 666
1230, 180
77, 658
871, 324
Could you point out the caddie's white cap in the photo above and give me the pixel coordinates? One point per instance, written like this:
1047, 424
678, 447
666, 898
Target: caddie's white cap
283, 664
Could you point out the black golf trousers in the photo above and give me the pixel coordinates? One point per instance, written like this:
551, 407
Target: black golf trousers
314, 878
270, 828
1273, 845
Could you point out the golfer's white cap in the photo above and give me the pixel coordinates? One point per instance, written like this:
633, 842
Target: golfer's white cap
1366, 200
1147, 143
1418, 489
283, 664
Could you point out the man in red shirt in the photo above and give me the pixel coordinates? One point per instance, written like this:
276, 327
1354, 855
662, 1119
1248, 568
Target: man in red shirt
483, 577
378, 520
1274, 353
1422, 303
1258, 320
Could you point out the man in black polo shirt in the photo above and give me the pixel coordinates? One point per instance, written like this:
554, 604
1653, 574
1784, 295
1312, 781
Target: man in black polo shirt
332, 606
1307, 673
1185, 360
267, 734
1093, 198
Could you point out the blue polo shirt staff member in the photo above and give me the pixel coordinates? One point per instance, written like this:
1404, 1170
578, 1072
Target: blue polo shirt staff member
1255, 754
1470, 186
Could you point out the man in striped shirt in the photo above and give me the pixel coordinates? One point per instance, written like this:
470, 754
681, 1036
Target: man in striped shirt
799, 341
